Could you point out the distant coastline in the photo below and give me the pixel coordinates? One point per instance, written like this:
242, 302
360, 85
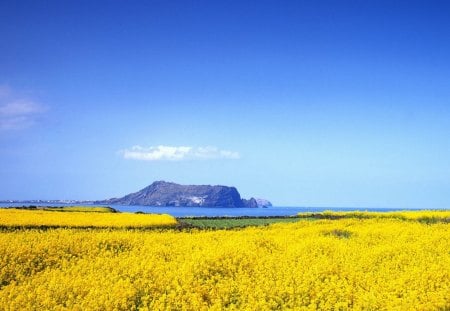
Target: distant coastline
46, 201
209, 211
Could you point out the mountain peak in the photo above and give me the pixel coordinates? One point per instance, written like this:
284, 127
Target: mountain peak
160, 183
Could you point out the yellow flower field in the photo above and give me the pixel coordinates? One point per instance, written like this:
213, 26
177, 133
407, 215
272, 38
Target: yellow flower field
420, 215
41, 218
357, 264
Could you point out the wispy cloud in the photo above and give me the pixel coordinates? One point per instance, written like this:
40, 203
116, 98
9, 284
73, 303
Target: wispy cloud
177, 153
17, 111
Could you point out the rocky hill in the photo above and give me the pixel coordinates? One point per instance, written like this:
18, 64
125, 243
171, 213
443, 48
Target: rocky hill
263, 202
161, 193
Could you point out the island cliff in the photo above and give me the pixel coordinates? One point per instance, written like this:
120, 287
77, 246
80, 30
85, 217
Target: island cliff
161, 193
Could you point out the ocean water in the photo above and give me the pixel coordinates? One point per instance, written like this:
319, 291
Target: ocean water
218, 211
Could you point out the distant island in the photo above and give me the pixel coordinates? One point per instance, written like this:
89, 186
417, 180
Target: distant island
162, 193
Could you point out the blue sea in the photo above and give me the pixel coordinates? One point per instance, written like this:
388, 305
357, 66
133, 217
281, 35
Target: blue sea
216, 211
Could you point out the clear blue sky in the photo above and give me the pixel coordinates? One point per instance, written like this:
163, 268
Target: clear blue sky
306, 103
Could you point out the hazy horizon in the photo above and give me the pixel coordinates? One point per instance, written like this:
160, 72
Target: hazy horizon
336, 104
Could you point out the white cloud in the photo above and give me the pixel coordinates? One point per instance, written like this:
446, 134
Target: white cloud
17, 111
177, 153
19, 107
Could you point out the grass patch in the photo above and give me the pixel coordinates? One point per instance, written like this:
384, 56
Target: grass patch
338, 233
231, 222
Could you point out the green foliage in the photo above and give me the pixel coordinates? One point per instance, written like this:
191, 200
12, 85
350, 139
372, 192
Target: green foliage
339, 233
229, 222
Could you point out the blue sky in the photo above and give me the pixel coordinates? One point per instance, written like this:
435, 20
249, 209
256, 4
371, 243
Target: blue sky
306, 103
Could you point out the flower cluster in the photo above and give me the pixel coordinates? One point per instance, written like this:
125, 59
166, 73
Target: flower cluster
42, 219
358, 264
428, 216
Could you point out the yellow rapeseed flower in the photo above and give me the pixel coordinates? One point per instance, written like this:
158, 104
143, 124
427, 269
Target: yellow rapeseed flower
346, 264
